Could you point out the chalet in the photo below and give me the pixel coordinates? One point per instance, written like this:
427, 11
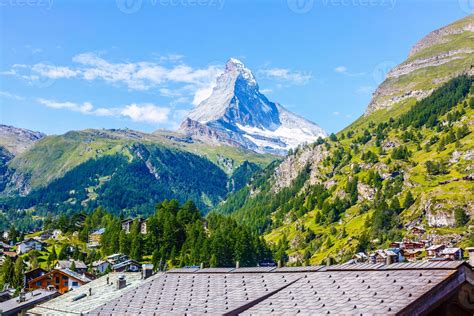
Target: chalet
81, 267
32, 274
94, 238
117, 258
127, 225
360, 257
4, 246
92, 295
434, 251
412, 254
12, 254
28, 245
383, 256
100, 266
452, 253
417, 230
62, 280
127, 266
44, 236
408, 244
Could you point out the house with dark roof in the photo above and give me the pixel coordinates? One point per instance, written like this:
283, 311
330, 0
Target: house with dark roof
434, 251
129, 265
81, 267
92, 295
425, 288
32, 274
62, 280
21, 304
452, 253
28, 245
127, 225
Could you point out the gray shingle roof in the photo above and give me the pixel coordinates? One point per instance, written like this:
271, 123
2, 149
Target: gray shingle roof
341, 289
101, 294
13, 306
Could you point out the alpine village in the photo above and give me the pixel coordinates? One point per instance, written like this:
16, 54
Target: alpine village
250, 209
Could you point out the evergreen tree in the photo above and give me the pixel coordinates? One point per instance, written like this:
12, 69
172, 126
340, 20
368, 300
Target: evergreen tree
8, 271
73, 266
460, 217
17, 281
409, 200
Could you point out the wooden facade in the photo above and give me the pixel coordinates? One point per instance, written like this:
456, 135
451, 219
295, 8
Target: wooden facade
56, 279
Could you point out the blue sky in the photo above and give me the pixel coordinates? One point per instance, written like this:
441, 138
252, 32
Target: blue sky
142, 64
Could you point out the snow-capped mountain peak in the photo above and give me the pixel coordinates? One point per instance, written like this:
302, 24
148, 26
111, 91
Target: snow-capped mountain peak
237, 113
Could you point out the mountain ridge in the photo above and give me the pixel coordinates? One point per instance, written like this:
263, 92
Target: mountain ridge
440, 56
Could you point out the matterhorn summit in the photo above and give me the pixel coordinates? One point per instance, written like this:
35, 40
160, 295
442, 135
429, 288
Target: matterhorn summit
238, 114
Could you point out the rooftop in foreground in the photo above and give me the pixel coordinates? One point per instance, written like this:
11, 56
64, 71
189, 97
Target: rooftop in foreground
396, 289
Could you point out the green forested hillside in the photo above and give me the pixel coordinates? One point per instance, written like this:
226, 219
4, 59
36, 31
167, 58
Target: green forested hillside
365, 187
125, 171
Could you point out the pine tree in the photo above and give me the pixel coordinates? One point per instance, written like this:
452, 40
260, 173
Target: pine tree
73, 266
409, 200
460, 217
7, 271
34, 262
17, 280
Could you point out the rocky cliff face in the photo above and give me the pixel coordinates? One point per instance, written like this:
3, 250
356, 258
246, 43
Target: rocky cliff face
238, 114
17, 140
440, 56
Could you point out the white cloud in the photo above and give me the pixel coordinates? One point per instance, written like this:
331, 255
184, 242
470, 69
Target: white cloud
340, 69
8, 95
345, 71
53, 72
336, 113
147, 113
85, 108
142, 75
286, 75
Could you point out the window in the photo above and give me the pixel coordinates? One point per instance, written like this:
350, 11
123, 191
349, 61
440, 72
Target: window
57, 279
39, 283
75, 283
64, 277
65, 283
48, 283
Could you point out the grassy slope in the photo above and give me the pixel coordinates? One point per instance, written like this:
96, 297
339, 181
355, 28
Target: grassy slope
423, 187
52, 156
424, 78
